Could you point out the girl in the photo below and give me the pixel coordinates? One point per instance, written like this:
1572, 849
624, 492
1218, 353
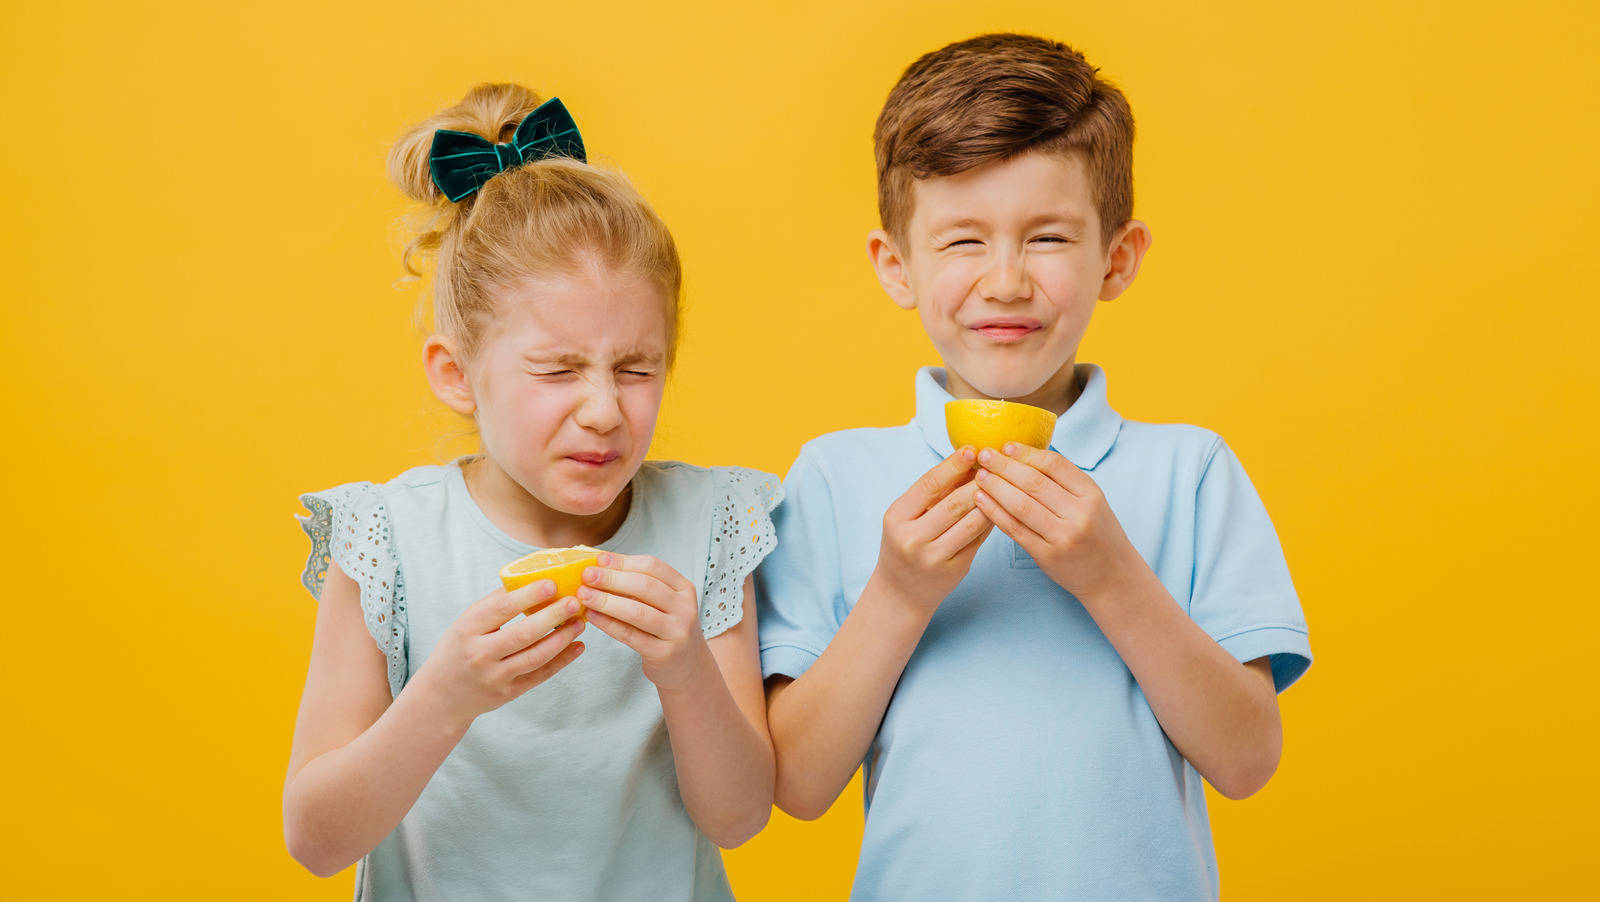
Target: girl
458, 752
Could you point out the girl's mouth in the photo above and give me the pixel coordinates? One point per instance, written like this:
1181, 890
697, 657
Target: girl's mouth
594, 459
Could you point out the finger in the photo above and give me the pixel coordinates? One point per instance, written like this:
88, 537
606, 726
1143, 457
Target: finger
1062, 471
628, 610
493, 610
534, 677
649, 565
1030, 481
947, 512
644, 644
934, 484
1007, 523
970, 528
1017, 503
513, 637
542, 651
643, 587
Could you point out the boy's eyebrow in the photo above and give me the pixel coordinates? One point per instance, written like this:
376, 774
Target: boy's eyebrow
972, 222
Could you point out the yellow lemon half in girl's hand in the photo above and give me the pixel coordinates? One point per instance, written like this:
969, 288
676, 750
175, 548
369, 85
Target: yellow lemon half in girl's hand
564, 565
990, 424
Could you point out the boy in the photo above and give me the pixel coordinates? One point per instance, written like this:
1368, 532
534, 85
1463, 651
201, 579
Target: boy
1037, 655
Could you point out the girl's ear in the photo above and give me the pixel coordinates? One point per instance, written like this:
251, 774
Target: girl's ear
1123, 259
891, 268
442, 361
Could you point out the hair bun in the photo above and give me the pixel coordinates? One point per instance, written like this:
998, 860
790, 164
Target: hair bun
490, 111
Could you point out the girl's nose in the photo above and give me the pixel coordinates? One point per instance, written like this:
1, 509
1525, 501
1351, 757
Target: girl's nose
601, 410
1007, 278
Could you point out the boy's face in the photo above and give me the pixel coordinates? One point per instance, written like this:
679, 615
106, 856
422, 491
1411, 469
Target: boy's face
1004, 263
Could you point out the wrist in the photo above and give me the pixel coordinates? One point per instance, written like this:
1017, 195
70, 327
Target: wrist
906, 609
431, 703
698, 673
1121, 578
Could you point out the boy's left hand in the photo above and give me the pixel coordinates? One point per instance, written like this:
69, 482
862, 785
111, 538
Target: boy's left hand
646, 605
1056, 513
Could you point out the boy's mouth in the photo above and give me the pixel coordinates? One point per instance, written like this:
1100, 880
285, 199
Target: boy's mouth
1005, 331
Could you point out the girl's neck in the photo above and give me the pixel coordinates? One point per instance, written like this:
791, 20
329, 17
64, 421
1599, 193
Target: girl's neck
528, 520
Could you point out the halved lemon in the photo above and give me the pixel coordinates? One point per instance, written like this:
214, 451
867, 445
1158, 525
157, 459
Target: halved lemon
564, 565
990, 424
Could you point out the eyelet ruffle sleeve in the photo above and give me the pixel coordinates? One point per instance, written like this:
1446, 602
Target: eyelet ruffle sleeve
349, 524
741, 535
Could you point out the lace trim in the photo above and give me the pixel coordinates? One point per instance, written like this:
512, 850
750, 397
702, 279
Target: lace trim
741, 535
350, 524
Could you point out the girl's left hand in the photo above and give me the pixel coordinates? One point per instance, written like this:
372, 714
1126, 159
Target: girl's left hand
1058, 514
646, 605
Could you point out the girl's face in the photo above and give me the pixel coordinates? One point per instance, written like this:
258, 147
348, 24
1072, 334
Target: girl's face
568, 385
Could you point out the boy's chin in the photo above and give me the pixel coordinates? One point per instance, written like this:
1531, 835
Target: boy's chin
1004, 386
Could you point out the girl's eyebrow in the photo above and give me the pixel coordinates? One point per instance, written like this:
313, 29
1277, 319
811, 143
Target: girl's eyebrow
578, 360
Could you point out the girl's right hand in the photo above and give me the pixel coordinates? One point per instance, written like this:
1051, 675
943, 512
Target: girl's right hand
482, 662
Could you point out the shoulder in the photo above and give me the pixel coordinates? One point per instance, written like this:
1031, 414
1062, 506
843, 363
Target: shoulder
720, 485
864, 452
1176, 448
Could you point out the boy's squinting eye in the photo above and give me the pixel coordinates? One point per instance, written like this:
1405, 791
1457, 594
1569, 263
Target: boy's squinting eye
1053, 239
959, 242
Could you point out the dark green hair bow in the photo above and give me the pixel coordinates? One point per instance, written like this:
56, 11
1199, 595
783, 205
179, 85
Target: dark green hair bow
462, 162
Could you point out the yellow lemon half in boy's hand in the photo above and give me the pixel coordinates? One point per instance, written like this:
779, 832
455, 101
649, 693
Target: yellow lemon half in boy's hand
990, 424
564, 565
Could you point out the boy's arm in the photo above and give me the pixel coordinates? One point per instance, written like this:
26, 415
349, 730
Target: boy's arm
823, 722
1220, 714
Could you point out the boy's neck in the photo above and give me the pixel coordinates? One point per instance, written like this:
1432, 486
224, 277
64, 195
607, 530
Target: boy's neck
520, 515
1056, 395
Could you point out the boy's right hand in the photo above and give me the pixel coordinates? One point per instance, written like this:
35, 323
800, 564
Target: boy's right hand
931, 534
482, 662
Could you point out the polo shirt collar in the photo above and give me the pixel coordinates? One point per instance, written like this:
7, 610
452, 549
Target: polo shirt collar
1084, 434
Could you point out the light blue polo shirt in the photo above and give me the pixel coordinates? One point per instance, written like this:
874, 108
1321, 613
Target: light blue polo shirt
1018, 758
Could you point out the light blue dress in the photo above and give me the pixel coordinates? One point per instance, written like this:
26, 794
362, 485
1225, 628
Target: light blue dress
569, 791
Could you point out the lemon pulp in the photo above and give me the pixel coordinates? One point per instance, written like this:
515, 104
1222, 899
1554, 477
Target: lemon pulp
564, 565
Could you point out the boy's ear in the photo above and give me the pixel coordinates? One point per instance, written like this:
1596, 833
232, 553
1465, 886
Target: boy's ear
441, 360
1126, 252
891, 268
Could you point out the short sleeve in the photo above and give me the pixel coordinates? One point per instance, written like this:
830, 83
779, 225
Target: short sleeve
349, 524
1242, 594
741, 536
799, 597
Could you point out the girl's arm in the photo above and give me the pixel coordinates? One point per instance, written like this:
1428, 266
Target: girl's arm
710, 690
720, 743
359, 761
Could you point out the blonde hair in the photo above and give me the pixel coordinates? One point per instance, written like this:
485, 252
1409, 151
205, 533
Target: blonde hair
551, 217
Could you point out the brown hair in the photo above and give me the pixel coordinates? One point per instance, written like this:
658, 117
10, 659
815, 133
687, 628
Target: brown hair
990, 98
555, 216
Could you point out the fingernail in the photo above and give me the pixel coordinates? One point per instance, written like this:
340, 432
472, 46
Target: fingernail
1010, 448
981, 475
590, 574
547, 587
986, 457
572, 607
585, 593
979, 497
604, 560
966, 453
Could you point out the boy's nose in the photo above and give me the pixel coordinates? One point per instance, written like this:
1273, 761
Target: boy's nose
1006, 279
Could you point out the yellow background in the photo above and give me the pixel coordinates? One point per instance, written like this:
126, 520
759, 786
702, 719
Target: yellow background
1374, 273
